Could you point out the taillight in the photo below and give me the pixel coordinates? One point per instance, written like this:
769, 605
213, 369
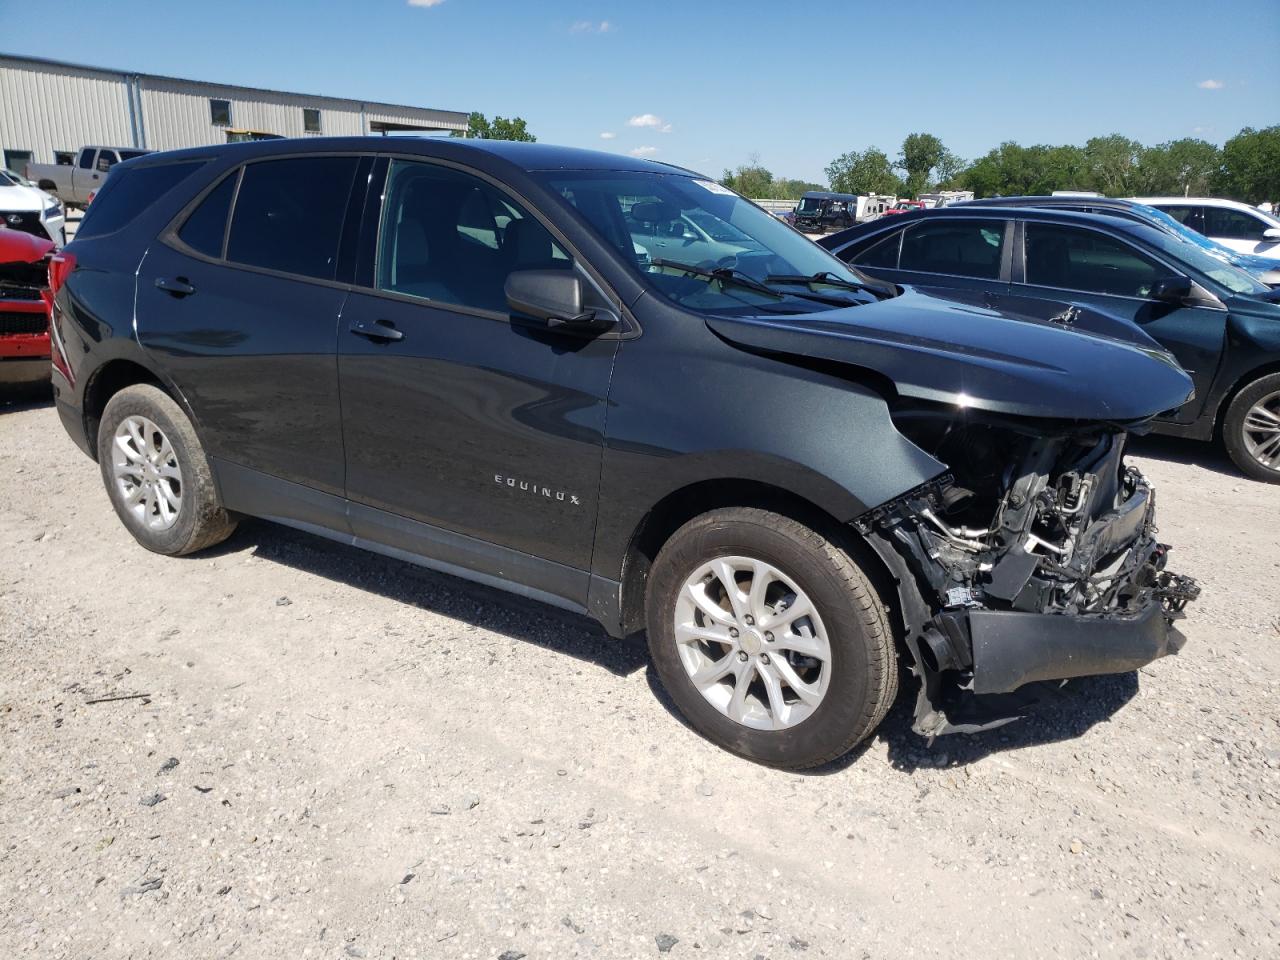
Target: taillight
60, 267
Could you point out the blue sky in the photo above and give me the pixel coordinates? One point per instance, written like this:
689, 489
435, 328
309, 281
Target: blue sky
707, 84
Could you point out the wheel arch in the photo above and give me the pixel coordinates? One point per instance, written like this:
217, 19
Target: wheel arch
1241, 382
109, 379
682, 505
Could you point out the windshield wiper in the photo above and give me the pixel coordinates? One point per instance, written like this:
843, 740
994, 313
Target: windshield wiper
831, 280
723, 274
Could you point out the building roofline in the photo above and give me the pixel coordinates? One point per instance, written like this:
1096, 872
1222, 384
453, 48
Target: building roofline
50, 62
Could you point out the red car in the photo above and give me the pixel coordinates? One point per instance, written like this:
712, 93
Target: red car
905, 206
24, 311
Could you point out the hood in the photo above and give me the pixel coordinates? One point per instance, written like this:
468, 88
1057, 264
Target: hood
995, 353
22, 259
19, 199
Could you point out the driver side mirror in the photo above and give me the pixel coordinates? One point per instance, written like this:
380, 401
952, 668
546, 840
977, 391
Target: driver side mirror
1171, 289
555, 297
1271, 233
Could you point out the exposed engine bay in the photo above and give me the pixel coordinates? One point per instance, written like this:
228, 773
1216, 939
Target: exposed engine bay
1034, 558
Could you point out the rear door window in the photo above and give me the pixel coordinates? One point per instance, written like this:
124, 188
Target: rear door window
86, 159
961, 248
127, 193
289, 213
1071, 258
1187, 215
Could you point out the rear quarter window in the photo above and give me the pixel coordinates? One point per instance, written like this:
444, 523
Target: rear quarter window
127, 193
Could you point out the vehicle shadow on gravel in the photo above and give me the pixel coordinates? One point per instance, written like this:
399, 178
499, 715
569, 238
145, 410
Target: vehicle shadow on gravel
1061, 713
1208, 456
1058, 713
20, 400
488, 608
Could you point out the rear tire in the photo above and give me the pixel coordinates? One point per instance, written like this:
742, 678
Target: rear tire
1251, 429
749, 670
157, 475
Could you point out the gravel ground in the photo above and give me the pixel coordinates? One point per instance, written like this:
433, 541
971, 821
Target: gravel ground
324, 753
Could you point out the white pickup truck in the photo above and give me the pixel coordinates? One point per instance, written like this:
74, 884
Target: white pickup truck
74, 183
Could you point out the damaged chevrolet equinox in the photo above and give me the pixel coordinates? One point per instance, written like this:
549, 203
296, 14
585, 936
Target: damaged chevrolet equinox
617, 387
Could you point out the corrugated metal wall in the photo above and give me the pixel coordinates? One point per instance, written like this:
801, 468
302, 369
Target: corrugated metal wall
43, 110
176, 113
47, 106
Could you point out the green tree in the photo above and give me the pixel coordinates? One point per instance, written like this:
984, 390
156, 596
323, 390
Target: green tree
1112, 163
867, 172
479, 128
751, 179
784, 189
1184, 167
1251, 165
921, 152
949, 169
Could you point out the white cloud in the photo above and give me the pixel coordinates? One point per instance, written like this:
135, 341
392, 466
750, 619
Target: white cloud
643, 151
589, 26
425, 3
1210, 84
608, 135
645, 120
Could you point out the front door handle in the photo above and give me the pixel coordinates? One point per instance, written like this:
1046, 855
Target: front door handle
375, 330
177, 286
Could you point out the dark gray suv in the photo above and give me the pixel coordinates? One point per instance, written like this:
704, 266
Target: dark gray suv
464, 354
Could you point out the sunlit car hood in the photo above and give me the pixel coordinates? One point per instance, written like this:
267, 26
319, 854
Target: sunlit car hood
19, 199
997, 353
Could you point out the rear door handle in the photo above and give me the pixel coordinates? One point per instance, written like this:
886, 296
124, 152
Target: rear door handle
175, 285
375, 330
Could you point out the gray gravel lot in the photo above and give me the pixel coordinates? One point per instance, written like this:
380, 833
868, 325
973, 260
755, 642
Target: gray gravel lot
330, 754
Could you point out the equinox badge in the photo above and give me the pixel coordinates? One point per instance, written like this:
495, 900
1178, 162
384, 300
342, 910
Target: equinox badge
525, 486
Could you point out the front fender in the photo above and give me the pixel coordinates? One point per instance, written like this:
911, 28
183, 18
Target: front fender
722, 414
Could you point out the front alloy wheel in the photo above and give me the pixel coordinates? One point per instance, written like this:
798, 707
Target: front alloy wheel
1251, 429
752, 643
1262, 431
769, 637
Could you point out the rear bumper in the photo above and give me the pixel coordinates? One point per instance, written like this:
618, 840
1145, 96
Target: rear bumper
1012, 648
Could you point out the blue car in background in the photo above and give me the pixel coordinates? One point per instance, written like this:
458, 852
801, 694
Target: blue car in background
1266, 269
1220, 323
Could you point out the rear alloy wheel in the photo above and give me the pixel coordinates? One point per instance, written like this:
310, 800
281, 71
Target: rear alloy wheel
769, 638
1251, 429
156, 473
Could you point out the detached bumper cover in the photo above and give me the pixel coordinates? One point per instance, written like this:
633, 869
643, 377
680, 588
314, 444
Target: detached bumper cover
1012, 648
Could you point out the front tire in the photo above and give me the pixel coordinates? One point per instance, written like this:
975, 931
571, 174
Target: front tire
1251, 429
157, 475
769, 638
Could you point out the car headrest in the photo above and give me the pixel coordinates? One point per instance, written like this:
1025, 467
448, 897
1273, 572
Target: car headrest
654, 211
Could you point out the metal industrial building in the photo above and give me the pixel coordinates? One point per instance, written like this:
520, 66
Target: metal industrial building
49, 109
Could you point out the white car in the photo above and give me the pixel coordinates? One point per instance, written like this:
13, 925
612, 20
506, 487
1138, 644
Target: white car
1232, 224
28, 208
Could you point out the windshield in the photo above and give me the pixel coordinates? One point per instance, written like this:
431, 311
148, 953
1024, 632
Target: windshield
810, 204
6, 180
740, 260
1233, 278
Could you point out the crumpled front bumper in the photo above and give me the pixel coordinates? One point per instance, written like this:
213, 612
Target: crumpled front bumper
1012, 648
